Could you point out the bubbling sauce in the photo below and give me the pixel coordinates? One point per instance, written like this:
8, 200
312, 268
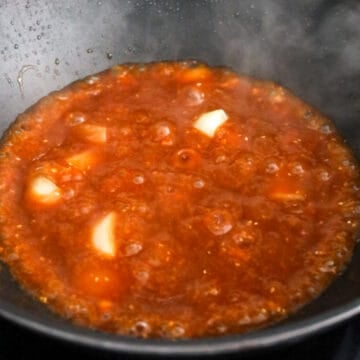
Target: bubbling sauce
176, 200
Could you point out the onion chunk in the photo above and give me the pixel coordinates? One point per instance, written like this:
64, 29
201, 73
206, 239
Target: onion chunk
209, 122
103, 235
84, 160
44, 191
93, 133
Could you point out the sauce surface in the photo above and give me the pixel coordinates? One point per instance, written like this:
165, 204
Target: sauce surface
176, 200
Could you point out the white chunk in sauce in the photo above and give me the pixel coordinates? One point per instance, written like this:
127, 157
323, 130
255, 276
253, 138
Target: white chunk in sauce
103, 235
44, 190
209, 122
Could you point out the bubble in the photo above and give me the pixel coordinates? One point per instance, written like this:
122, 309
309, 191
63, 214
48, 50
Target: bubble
195, 97
245, 320
214, 291
141, 328
199, 183
109, 55
297, 169
105, 316
142, 67
76, 118
277, 95
324, 176
221, 159
325, 129
16, 46
329, 266
272, 168
91, 80
68, 194
57, 61
125, 131
138, 180
218, 222
221, 328
133, 249
348, 164
243, 238
89, 51
62, 97
143, 208
176, 331
261, 317
187, 159
164, 133
142, 276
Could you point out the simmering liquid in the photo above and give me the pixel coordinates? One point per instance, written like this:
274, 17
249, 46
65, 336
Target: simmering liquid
175, 200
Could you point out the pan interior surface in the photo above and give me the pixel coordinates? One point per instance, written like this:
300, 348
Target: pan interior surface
311, 47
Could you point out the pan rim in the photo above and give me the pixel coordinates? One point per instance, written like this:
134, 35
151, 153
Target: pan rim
260, 340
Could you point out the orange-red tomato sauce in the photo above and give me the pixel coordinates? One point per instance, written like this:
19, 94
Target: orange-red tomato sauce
175, 200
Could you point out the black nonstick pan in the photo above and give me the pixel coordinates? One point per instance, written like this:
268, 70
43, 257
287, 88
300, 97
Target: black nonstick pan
311, 47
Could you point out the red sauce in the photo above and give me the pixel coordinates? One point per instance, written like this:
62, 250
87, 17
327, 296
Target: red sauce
176, 200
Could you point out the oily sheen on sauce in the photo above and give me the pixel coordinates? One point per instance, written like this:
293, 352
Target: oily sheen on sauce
175, 200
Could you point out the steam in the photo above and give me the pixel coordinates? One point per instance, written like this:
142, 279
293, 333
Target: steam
343, 27
309, 46
281, 40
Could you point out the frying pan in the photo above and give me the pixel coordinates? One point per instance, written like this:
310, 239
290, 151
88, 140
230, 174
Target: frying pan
310, 46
